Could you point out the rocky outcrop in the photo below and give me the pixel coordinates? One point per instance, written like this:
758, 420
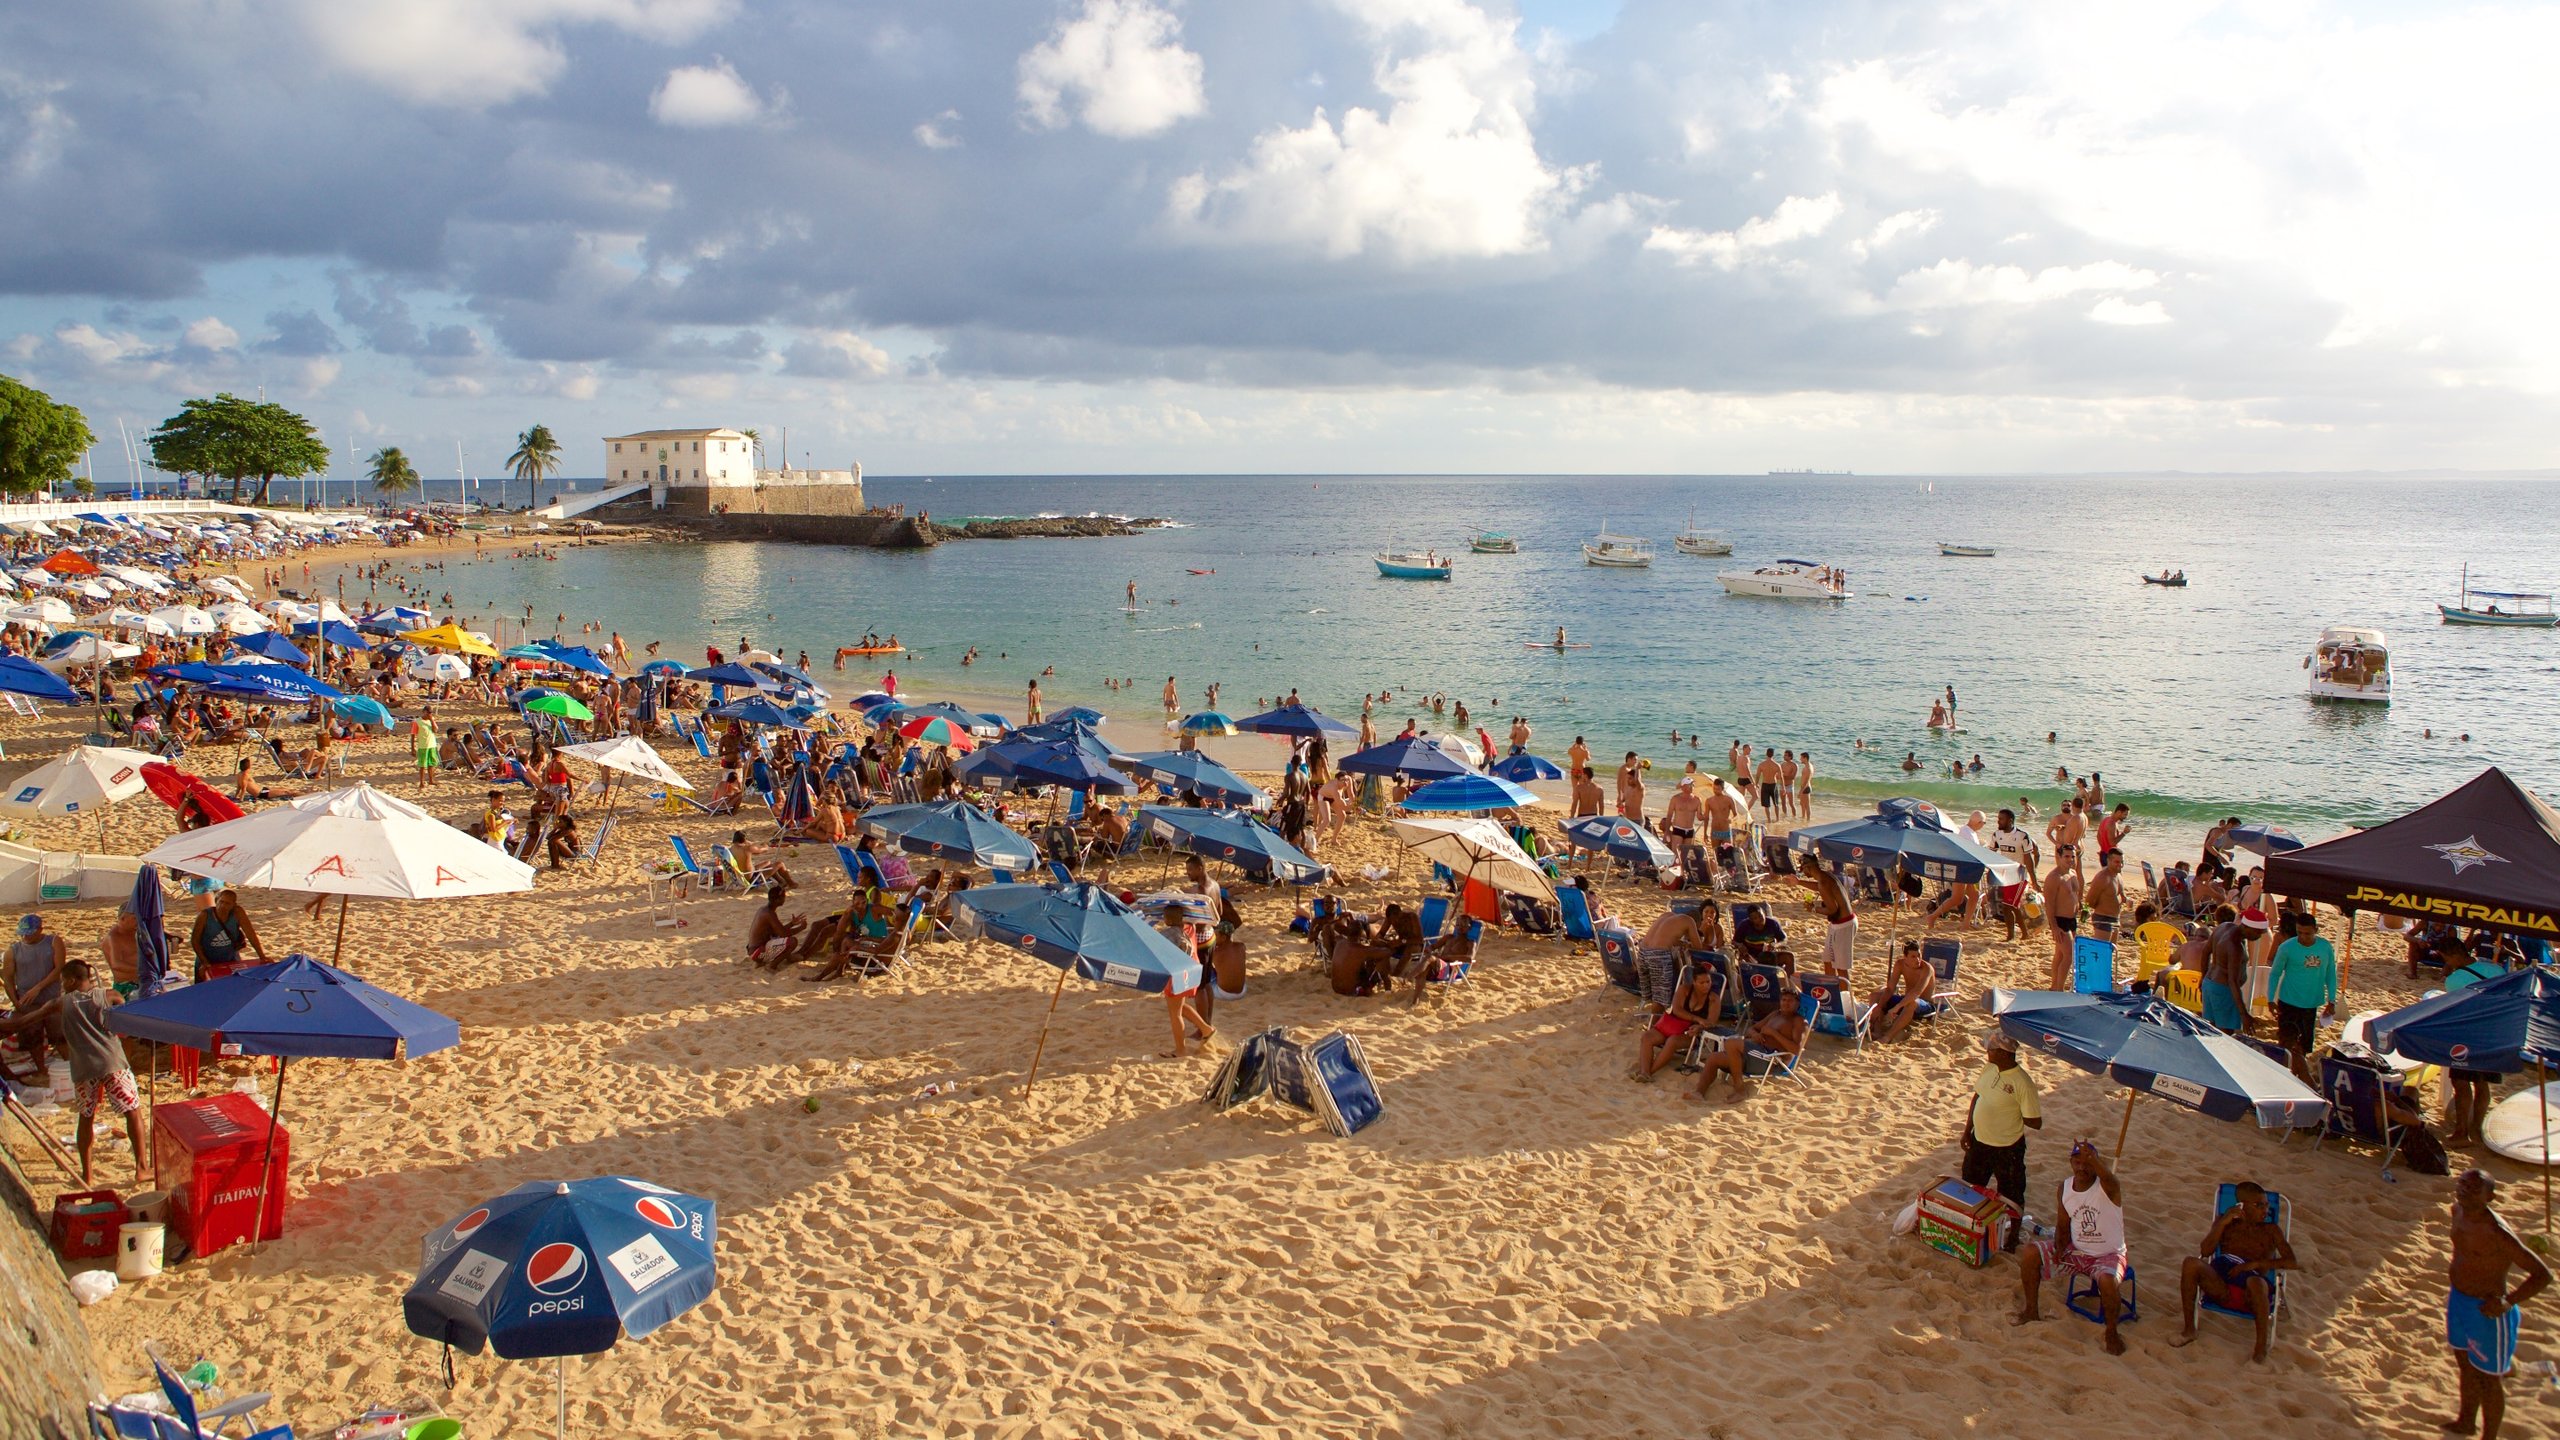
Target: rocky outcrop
48, 1371
1044, 527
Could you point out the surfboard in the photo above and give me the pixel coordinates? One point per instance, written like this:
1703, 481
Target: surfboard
1551, 645
2514, 1127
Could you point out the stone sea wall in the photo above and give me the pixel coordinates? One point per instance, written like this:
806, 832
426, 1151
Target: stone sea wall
48, 1370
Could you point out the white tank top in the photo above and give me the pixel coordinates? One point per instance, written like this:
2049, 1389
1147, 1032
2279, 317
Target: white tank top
2097, 1223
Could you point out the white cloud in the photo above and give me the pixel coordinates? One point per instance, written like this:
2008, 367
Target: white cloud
1903, 225
1958, 284
835, 355
473, 54
940, 132
210, 333
705, 97
1797, 218
2116, 310
1450, 169
1119, 67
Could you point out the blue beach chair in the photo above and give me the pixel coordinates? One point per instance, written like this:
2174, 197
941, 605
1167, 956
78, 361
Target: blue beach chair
1618, 961
1575, 907
2280, 1215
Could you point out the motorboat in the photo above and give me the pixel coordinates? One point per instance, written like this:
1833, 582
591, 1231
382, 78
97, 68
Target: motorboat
2174, 579
1494, 542
1694, 541
2523, 608
1787, 580
1970, 552
1413, 565
2350, 664
1617, 552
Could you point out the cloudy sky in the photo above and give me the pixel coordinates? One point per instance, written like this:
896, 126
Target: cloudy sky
1336, 235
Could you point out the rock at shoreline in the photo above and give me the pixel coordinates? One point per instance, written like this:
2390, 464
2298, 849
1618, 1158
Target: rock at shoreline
1053, 526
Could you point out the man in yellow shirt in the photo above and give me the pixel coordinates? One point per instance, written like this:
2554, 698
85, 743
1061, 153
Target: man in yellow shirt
2003, 1109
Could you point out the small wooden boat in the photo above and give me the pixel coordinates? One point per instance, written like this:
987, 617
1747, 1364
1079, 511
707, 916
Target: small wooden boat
2174, 580
1694, 541
1970, 552
1413, 565
2524, 609
1617, 552
1494, 542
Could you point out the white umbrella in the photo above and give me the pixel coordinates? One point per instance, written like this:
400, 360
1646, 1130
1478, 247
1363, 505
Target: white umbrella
1477, 849
89, 650
89, 777
238, 618
122, 618
287, 610
185, 620
351, 842
41, 579
759, 657
225, 585
632, 756
91, 590
43, 610
37, 527
433, 665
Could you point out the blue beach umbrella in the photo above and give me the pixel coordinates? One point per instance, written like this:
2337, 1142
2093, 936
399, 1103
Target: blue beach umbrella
1082, 930
1232, 837
362, 709
576, 657
2500, 1025
1466, 793
1906, 835
960, 716
1066, 728
1304, 720
1068, 764
663, 668
2152, 1047
150, 941
2265, 839
1520, 767
1180, 770
1412, 756
334, 632
24, 677
268, 645
564, 1267
732, 673
755, 710
1084, 714
951, 830
1210, 722
1619, 839
527, 652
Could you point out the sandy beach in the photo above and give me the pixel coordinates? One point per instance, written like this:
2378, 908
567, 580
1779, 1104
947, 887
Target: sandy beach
1528, 1244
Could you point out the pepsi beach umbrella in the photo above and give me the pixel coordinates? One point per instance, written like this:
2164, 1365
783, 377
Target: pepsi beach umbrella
268, 645
564, 1267
284, 682
1469, 793
872, 700
2152, 1047
1068, 764
334, 632
1180, 770
1230, 836
2502, 1024
950, 830
1619, 839
1070, 727
1302, 720
1412, 756
1210, 722
732, 673
296, 1008
756, 710
1520, 767
1084, 714
2265, 839
25, 677
1083, 930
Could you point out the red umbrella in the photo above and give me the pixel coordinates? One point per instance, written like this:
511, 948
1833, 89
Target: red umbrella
70, 562
181, 791
934, 730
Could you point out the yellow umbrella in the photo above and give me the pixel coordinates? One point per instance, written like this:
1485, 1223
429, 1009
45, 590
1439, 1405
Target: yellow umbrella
449, 636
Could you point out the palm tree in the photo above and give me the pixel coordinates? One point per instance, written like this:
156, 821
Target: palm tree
755, 439
391, 471
537, 455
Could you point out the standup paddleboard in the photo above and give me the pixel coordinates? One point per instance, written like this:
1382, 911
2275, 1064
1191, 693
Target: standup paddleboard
1551, 645
2514, 1127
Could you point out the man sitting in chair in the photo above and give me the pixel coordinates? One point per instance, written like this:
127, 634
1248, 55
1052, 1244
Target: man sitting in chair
758, 870
1365, 961
2233, 1265
1692, 1005
1781, 1031
1760, 938
2088, 1240
772, 935
1906, 996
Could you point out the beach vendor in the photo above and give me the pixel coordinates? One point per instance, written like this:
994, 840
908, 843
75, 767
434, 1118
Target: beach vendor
1840, 935
2303, 986
2003, 1108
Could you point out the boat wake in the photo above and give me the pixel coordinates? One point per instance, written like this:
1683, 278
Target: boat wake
1169, 629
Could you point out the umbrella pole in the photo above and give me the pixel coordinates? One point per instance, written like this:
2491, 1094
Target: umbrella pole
339, 953
267, 1162
560, 1375
1043, 1045
2542, 1073
2130, 1095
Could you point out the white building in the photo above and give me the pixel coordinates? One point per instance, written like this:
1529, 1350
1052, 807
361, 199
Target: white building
712, 470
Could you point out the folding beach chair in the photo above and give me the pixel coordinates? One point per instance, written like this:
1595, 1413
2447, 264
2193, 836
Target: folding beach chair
1440, 971
855, 865
189, 1421
2280, 1215
1762, 1064
595, 842
1618, 961
689, 868
1059, 872
1435, 914
2356, 1089
2093, 965
1837, 1012
1575, 907
702, 746
744, 878
1763, 986
1945, 957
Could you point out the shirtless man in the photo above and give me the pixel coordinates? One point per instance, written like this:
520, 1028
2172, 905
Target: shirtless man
1804, 785
1364, 962
1782, 1031
1520, 732
1586, 793
1906, 992
1840, 933
1767, 775
1724, 817
2065, 830
1680, 821
2236, 1265
772, 934
1631, 788
1577, 756
1172, 698
1787, 784
2062, 910
2106, 895
2481, 1315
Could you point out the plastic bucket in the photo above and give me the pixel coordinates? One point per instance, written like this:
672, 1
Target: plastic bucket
442, 1427
57, 1082
138, 1249
148, 1207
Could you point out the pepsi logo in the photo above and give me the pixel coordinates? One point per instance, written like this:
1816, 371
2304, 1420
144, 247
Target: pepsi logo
463, 1228
2460, 1053
658, 1212
556, 1268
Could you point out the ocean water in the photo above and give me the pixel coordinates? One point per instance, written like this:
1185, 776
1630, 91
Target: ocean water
2189, 702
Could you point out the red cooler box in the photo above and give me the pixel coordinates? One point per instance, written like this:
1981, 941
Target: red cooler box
208, 1152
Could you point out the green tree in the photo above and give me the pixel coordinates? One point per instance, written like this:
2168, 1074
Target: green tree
391, 471
755, 440
83, 486
228, 438
39, 438
536, 456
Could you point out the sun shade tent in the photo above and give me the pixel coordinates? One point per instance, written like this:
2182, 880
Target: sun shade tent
2487, 854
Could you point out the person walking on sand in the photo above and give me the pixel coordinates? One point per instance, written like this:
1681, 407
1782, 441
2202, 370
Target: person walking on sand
1031, 704
2062, 911
2482, 1317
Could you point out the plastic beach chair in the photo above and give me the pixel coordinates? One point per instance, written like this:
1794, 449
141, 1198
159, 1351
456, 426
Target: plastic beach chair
2080, 1297
1836, 1012
1945, 957
1575, 907
2280, 1215
191, 1422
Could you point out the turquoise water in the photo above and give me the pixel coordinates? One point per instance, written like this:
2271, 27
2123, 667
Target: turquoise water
2188, 701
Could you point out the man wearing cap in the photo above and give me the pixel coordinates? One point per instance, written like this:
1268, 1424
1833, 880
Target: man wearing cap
2226, 966
2304, 987
2481, 1315
35, 980
2004, 1108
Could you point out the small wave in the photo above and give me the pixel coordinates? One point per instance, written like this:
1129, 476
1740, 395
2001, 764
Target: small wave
1168, 629
1319, 610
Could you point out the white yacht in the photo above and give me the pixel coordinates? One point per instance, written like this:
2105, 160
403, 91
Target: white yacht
1618, 552
1787, 580
2351, 664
